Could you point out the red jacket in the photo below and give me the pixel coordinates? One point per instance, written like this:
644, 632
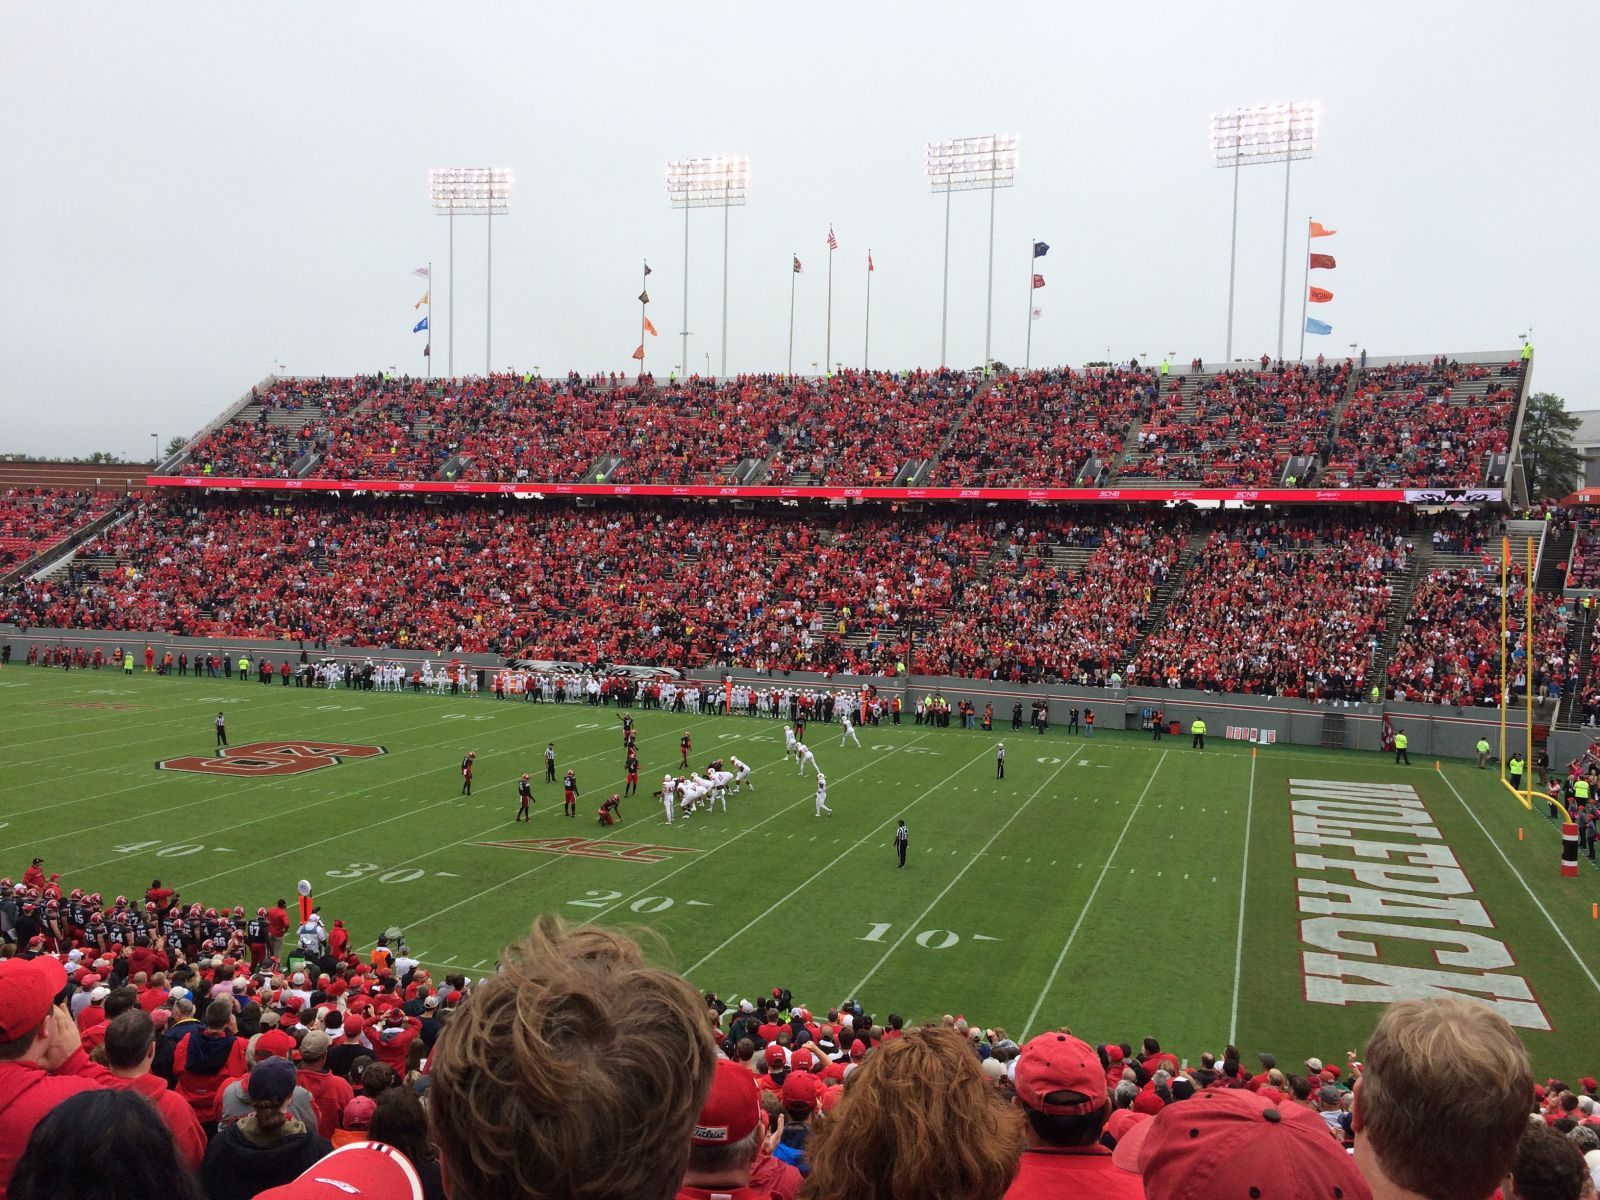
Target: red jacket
175, 1114
28, 1093
203, 1091
329, 1095
391, 1047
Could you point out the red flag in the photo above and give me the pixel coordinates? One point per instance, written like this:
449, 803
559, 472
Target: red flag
1038, 281
1322, 260
1320, 295
869, 261
1319, 230
639, 353
650, 328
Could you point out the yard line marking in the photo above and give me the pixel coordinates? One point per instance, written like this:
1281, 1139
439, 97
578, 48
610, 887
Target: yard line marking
1532, 895
914, 925
1078, 924
781, 901
1244, 880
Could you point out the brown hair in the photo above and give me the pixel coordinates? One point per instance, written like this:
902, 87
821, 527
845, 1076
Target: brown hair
576, 1070
917, 1120
128, 1039
1444, 1097
1548, 1166
270, 1118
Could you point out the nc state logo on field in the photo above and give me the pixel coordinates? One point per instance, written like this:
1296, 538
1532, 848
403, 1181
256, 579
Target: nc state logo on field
261, 760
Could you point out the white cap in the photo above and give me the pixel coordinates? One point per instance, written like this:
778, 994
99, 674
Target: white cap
100, 992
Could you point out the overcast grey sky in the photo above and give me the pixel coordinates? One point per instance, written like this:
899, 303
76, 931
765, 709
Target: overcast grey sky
196, 192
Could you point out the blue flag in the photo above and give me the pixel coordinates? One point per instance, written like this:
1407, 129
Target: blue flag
420, 325
1040, 249
1315, 326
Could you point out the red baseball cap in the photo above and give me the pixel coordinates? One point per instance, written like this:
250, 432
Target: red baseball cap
27, 989
1122, 1120
732, 1109
1231, 1143
802, 1060
274, 1043
801, 1088
1587, 1083
1059, 1062
774, 1055
358, 1169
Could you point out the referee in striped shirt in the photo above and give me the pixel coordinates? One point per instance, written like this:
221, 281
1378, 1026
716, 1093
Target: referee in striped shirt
901, 838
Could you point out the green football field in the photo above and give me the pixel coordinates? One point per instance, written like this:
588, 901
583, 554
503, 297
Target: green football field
1112, 885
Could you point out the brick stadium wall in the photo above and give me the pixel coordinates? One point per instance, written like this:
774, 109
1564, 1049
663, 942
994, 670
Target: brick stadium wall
120, 478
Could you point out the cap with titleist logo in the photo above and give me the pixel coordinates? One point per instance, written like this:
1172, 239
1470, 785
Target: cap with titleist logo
732, 1108
370, 1169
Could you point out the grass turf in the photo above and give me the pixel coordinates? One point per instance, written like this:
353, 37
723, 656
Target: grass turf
1098, 886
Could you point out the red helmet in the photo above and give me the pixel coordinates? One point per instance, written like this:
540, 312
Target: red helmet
77, 893
238, 910
211, 914
194, 909
208, 944
98, 919
94, 898
149, 906
6, 882
261, 912
122, 902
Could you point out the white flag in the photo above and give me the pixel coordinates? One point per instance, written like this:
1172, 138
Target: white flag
1037, 313
422, 271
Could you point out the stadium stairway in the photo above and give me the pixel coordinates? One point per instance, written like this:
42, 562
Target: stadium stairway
52, 561
1165, 593
1405, 584
1580, 653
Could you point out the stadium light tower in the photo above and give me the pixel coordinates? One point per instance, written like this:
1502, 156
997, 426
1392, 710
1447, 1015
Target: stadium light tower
1254, 136
472, 192
721, 181
964, 165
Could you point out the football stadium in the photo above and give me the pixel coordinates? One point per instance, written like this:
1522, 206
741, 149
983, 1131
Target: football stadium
974, 758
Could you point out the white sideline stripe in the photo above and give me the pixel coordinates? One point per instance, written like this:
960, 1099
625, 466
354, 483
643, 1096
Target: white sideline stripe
917, 923
1532, 895
779, 903
1078, 924
654, 883
1244, 879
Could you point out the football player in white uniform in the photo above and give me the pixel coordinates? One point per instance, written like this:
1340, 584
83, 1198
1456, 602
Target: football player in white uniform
822, 795
803, 753
849, 728
741, 775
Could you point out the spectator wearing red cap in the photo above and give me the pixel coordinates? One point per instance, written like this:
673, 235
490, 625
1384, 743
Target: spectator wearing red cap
42, 1061
889, 1138
130, 1048
265, 1148
1448, 1121
1230, 1142
727, 1139
395, 1038
801, 1094
1060, 1089
360, 1168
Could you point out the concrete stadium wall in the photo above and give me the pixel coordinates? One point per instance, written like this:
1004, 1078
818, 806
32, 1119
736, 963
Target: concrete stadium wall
1434, 730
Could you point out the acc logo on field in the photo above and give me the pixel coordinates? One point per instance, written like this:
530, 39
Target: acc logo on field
260, 760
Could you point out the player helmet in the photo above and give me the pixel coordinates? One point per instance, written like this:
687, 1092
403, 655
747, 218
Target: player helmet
195, 909
6, 882
211, 914
122, 902
98, 919
94, 897
238, 910
149, 906
525, 775
261, 912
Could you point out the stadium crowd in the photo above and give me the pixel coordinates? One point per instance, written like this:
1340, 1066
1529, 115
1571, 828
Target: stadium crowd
1403, 426
155, 1048
32, 519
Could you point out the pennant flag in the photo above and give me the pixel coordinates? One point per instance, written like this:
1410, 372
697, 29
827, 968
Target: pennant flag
1318, 230
1320, 295
647, 270
1325, 261
427, 350
1037, 313
869, 261
639, 353
422, 271
420, 325
644, 297
833, 242
1038, 281
1315, 326
421, 302
649, 328
1040, 249
797, 268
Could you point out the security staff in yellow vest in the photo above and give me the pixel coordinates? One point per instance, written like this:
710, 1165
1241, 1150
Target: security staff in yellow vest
244, 668
1514, 770
1197, 727
1580, 792
1401, 754
1483, 752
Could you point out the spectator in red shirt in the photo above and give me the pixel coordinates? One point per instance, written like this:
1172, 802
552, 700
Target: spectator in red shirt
1061, 1091
727, 1138
105, 1142
206, 1058
130, 1048
42, 1061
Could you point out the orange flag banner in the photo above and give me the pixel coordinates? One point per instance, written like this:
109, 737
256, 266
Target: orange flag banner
1320, 295
639, 353
1317, 230
649, 328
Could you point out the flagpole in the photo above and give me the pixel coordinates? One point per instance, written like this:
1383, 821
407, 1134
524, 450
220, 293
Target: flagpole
1305, 291
488, 318
1027, 354
1233, 246
988, 312
644, 290
685, 330
1283, 266
793, 258
428, 345
451, 298
724, 367
866, 341
827, 352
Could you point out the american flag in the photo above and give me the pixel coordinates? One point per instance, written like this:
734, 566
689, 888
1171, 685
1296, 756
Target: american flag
833, 242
